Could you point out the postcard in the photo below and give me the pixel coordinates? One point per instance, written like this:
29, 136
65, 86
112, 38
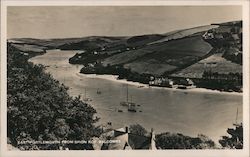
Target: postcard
125, 78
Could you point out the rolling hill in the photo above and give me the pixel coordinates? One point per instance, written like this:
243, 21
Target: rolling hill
159, 55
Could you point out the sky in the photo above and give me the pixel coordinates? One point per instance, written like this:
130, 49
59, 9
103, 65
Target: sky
80, 21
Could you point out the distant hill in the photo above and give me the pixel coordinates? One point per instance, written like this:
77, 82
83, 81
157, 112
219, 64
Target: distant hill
153, 54
184, 33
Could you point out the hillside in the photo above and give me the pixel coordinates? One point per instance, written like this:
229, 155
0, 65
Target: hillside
184, 33
162, 57
151, 54
177, 54
227, 42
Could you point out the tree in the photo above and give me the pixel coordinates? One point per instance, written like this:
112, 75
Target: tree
178, 141
137, 129
235, 141
40, 109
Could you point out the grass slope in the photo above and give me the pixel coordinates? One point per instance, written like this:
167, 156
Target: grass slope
162, 57
215, 63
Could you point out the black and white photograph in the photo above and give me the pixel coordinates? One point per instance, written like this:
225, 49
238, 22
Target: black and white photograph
125, 77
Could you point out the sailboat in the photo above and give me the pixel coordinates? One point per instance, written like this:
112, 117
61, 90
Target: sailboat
85, 96
236, 120
131, 106
98, 91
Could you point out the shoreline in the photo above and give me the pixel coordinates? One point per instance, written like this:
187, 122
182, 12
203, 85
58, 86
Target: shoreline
146, 86
141, 85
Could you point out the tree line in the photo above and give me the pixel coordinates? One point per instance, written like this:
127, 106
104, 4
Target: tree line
40, 109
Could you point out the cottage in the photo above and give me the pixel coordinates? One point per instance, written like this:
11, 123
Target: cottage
122, 139
185, 83
162, 82
208, 35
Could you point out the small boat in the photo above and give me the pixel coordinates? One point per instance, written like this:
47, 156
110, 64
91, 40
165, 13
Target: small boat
85, 96
124, 103
182, 87
98, 91
120, 110
131, 108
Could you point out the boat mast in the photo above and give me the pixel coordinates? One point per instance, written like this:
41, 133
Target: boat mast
85, 93
236, 117
127, 92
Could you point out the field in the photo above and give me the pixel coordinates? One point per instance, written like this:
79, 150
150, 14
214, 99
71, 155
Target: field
215, 63
150, 66
30, 48
162, 57
184, 33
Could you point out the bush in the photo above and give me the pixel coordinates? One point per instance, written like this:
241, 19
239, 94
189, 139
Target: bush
40, 109
137, 129
178, 141
236, 139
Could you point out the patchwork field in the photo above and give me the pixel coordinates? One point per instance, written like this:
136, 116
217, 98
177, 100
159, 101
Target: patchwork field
215, 63
162, 57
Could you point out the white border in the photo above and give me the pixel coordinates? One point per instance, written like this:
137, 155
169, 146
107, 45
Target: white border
173, 153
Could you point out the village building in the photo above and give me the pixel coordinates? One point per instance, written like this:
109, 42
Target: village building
123, 139
164, 82
208, 35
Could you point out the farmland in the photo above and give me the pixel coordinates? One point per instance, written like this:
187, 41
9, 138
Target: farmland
215, 63
172, 54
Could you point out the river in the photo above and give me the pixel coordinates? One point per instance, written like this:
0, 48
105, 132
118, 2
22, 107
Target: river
165, 110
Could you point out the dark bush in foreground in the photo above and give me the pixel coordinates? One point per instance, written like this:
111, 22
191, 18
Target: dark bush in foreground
178, 141
236, 139
137, 129
40, 109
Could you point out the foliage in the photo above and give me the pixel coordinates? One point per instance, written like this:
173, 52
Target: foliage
40, 109
137, 129
178, 141
220, 81
119, 70
236, 139
227, 40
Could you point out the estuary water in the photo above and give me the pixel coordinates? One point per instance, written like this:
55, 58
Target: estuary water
164, 110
